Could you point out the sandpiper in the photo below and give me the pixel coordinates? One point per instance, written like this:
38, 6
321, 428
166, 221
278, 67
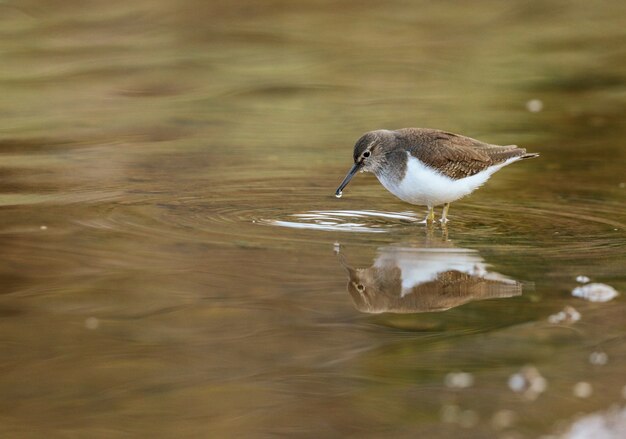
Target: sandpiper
429, 167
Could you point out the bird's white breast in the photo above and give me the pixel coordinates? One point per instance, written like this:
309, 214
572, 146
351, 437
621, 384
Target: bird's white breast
426, 186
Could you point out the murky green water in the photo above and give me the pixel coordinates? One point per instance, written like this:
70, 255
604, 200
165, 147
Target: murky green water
152, 153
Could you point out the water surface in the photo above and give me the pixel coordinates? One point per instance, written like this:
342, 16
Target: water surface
174, 262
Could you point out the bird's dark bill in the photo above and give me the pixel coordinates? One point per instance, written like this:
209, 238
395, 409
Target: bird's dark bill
346, 180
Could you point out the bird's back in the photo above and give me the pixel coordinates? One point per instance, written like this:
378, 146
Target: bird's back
454, 155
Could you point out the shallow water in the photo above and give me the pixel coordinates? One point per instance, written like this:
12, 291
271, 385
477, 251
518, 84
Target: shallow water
175, 263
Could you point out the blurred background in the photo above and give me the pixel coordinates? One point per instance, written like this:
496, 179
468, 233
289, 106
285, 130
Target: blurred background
169, 235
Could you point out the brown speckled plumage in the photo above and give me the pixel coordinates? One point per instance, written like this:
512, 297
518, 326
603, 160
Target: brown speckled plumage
451, 154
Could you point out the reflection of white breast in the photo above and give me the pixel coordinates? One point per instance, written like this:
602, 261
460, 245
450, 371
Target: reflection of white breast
419, 266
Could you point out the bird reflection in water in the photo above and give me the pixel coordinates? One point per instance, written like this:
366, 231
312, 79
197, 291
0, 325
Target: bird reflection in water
411, 279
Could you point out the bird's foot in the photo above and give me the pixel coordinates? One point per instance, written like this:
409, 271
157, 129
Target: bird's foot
444, 214
430, 217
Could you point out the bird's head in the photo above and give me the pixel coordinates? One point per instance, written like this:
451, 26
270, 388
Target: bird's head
369, 154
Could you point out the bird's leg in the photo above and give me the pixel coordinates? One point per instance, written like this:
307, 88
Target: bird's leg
430, 216
444, 213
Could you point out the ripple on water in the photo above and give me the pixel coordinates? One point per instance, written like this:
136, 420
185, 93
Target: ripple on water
574, 229
565, 231
368, 221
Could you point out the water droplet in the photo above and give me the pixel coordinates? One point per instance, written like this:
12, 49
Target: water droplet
338, 194
459, 380
595, 292
517, 382
583, 390
598, 358
568, 315
503, 419
92, 323
582, 279
534, 105
528, 382
337, 248
450, 413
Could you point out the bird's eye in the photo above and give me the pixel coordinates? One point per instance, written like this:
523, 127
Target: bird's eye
366, 154
360, 287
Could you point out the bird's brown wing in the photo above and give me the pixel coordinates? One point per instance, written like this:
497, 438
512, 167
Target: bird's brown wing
453, 155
